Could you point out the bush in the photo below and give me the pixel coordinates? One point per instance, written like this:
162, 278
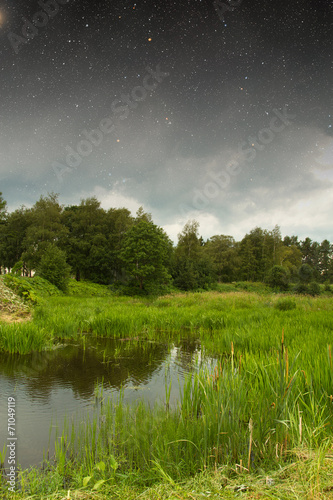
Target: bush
285, 304
305, 273
314, 289
278, 278
301, 288
17, 269
54, 268
88, 289
30, 289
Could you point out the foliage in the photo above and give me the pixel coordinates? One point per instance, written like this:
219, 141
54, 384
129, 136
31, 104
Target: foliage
54, 268
278, 278
10, 301
192, 268
98, 248
305, 273
3, 207
314, 288
146, 253
12, 235
301, 288
250, 286
87, 289
269, 393
259, 251
45, 228
94, 240
285, 304
290, 257
223, 252
17, 269
31, 289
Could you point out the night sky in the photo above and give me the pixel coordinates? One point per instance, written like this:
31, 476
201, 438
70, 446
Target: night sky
214, 111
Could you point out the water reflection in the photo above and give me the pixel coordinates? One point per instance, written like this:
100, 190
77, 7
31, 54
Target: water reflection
51, 385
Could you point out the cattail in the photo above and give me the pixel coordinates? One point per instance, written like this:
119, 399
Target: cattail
250, 445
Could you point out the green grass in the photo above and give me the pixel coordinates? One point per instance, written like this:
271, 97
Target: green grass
267, 408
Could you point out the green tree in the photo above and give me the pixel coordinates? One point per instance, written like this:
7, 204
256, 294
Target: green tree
2, 223
311, 256
12, 236
192, 268
305, 273
291, 259
86, 242
189, 243
145, 254
325, 260
259, 251
223, 252
291, 240
3, 209
54, 268
45, 228
118, 221
278, 278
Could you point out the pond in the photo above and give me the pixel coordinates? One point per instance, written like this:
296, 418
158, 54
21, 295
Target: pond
52, 386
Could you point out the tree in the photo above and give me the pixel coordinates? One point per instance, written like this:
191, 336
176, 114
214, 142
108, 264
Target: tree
278, 278
2, 221
325, 261
311, 256
223, 252
145, 254
118, 222
45, 228
12, 236
291, 259
189, 243
3, 207
305, 273
54, 268
192, 268
291, 240
87, 241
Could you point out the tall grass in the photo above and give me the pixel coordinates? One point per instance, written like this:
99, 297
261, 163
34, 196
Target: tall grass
15, 338
245, 413
270, 395
251, 321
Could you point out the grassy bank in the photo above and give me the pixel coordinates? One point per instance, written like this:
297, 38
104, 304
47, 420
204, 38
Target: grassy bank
260, 426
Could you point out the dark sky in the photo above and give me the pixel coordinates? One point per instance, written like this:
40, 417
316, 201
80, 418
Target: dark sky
218, 111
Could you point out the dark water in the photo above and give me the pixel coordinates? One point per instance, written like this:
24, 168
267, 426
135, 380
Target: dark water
61, 383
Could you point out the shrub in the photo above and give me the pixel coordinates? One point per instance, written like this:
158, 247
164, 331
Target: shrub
30, 289
54, 268
285, 304
278, 278
305, 273
17, 269
314, 288
301, 288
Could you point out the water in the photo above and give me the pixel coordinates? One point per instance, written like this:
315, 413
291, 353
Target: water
50, 386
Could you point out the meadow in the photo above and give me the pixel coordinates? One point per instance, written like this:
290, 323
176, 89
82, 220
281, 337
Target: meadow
262, 420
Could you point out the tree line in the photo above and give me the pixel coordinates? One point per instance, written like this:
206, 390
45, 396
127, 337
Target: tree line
112, 247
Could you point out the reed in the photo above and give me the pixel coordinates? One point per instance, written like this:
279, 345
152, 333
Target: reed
255, 415
269, 394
